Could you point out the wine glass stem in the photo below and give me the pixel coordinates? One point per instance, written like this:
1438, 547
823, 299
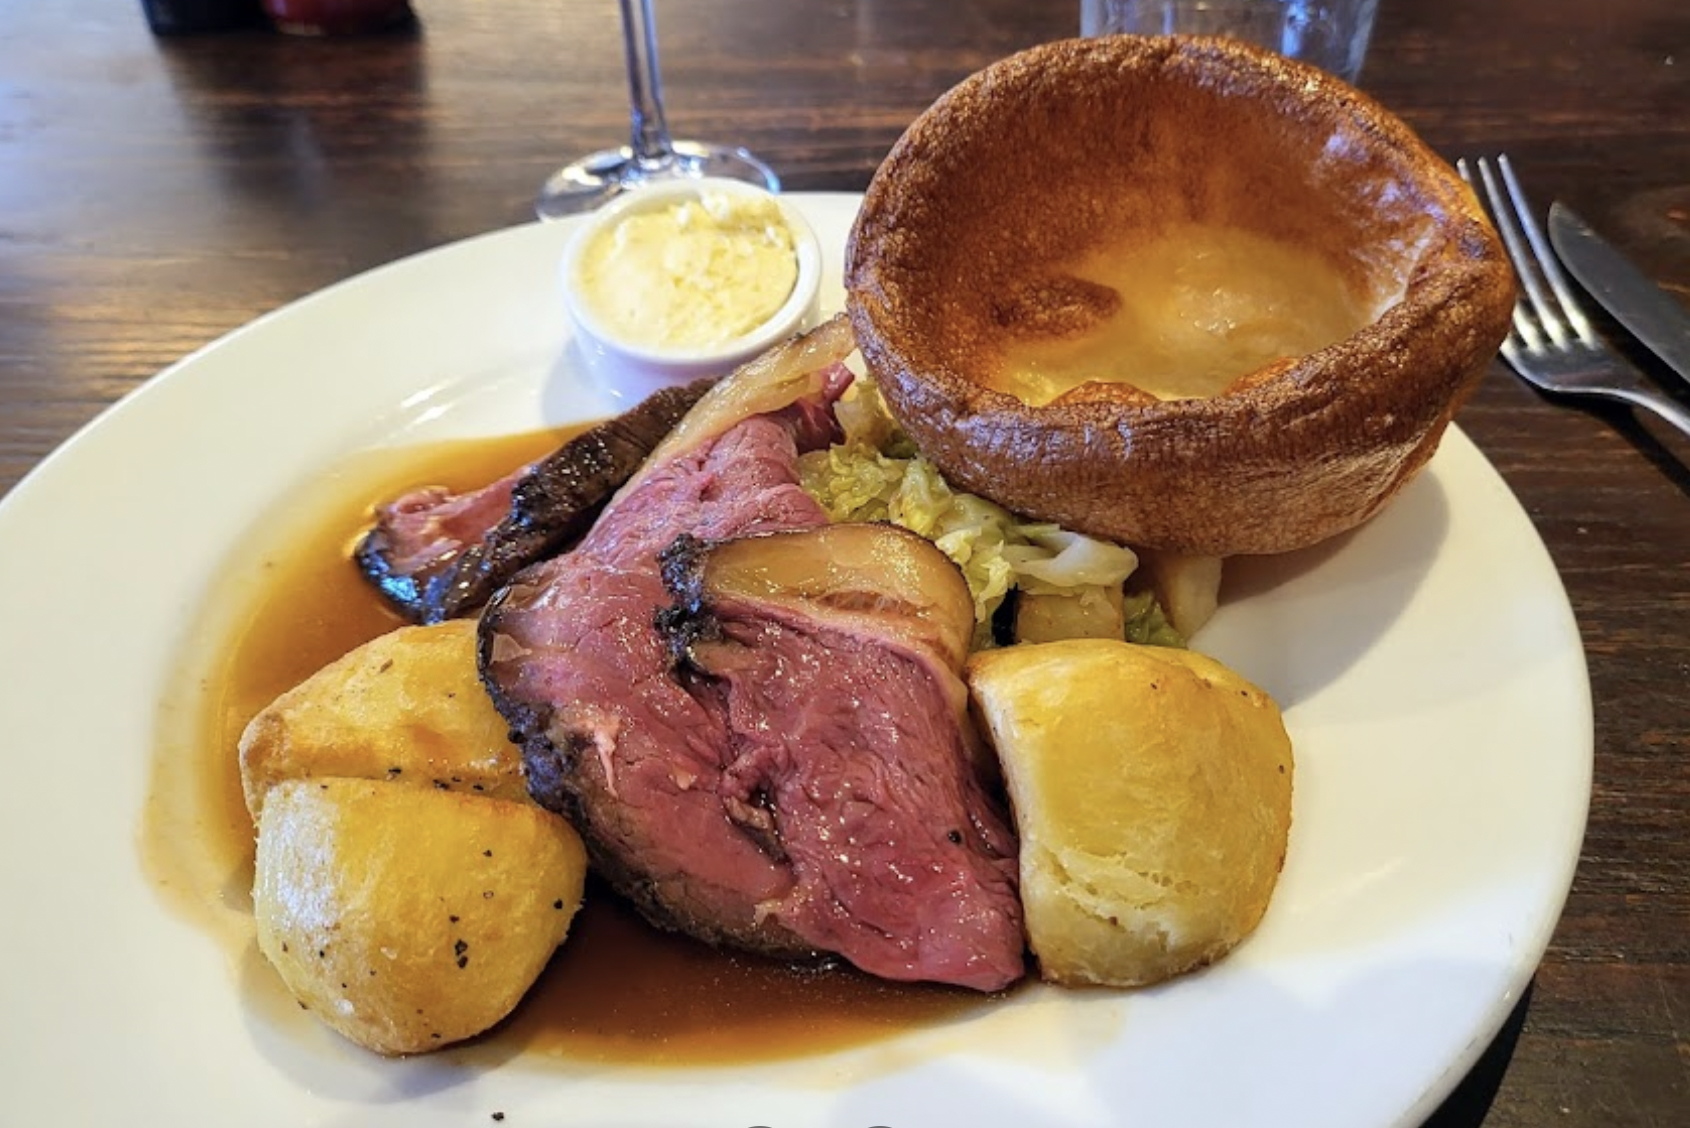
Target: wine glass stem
650, 142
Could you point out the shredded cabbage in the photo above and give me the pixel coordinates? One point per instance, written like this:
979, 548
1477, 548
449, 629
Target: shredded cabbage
876, 475
1147, 624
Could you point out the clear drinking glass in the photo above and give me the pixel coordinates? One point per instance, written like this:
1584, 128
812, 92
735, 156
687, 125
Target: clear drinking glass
651, 154
1331, 34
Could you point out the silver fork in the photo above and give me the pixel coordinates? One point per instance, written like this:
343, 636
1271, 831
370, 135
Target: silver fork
1551, 343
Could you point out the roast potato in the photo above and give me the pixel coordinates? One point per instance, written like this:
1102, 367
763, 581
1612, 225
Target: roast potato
406, 887
407, 707
407, 918
1152, 793
1090, 611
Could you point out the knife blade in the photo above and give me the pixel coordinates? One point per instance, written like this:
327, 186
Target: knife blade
1647, 311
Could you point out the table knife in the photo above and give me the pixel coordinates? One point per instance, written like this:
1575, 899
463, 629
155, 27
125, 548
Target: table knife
1647, 311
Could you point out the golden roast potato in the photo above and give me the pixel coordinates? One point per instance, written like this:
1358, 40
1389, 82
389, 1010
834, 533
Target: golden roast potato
405, 886
408, 918
1152, 793
1179, 293
407, 707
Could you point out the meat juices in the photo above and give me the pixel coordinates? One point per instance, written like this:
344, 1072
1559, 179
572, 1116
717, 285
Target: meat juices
741, 798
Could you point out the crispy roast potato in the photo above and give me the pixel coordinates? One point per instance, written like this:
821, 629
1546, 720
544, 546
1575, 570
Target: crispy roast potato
1152, 793
406, 887
407, 707
407, 918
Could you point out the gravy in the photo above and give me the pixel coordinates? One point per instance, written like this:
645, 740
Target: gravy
617, 990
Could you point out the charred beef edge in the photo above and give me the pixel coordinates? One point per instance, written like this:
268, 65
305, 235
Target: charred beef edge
688, 620
551, 506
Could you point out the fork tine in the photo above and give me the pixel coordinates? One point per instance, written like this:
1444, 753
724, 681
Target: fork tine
1526, 267
1546, 257
1524, 328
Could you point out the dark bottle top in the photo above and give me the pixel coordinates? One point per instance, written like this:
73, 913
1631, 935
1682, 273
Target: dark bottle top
185, 17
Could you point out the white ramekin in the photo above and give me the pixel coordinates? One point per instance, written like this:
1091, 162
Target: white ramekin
631, 371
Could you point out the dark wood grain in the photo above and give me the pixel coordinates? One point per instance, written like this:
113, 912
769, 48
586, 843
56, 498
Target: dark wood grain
155, 194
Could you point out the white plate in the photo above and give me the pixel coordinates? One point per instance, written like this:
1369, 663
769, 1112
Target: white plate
1429, 666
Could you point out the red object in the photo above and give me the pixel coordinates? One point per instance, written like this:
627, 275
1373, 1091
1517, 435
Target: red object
336, 17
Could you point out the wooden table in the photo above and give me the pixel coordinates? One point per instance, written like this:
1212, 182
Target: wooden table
155, 194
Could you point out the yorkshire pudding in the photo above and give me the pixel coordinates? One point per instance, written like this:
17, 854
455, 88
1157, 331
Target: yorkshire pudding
1176, 292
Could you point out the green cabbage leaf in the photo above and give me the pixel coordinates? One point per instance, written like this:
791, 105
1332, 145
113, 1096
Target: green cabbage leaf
875, 474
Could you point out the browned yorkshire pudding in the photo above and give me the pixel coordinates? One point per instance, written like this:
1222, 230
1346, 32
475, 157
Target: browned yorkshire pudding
1180, 293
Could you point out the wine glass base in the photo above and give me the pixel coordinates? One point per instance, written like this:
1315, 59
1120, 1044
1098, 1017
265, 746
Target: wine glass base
598, 178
